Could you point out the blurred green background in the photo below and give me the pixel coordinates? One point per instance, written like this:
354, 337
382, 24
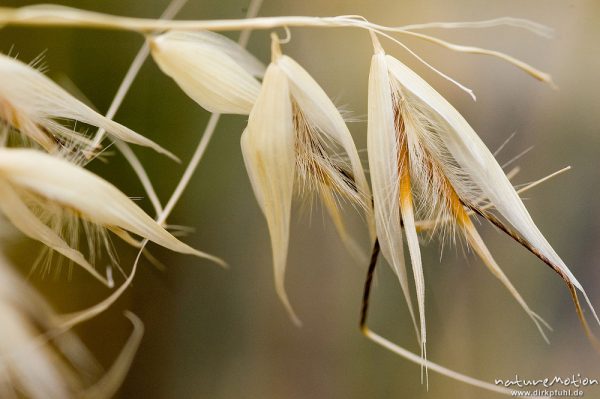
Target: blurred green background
212, 333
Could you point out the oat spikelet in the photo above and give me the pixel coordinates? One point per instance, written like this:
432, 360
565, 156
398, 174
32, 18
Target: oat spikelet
36, 107
39, 360
427, 162
29, 365
290, 144
213, 70
33, 184
473, 171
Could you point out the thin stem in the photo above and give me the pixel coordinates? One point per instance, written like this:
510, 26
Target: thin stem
191, 168
139, 170
65, 16
43, 15
172, 9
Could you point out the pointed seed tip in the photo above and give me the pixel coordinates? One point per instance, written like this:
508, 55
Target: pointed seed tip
223, 264
170, 155
297, 322
220, 262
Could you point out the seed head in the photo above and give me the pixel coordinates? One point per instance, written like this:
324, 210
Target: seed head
427, 162
291, 145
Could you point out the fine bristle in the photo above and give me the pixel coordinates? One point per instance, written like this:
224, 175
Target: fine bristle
318, 167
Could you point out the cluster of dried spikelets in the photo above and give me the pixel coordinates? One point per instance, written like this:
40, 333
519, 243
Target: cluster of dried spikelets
48, 195
428, 168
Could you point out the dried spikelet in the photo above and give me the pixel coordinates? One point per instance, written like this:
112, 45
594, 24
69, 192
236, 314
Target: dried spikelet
39, 193
39, 109
38, 360
426, 160
293, 133
470, 167
29, 365
214, 71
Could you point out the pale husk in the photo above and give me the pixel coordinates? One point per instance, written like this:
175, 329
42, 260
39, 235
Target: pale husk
214, 71
290, 147
478, 163
268, 149
36, 106
72, 188
28, 364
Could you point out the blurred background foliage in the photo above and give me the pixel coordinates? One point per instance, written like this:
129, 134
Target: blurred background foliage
212, 333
